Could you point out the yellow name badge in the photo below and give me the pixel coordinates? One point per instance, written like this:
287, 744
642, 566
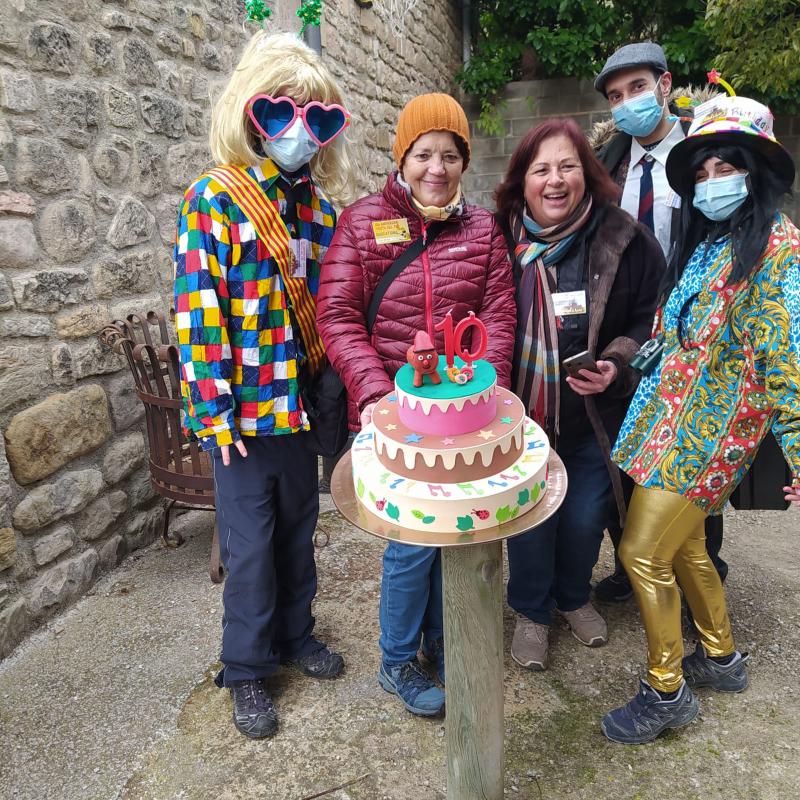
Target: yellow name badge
390, 231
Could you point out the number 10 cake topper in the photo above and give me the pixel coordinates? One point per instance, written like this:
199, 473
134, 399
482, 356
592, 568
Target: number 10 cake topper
453, 345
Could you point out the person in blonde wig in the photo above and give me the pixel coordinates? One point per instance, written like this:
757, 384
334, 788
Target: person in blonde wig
251, 234
299, 74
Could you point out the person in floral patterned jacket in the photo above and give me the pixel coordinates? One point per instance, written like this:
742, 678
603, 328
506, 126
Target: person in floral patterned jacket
729, 372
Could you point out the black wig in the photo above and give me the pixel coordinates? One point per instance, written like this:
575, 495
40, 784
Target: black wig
749, 225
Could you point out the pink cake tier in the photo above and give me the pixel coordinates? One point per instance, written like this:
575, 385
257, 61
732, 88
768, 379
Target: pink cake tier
447, 408
479, 453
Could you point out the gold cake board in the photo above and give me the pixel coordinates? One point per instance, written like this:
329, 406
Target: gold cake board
343, 493
472, 571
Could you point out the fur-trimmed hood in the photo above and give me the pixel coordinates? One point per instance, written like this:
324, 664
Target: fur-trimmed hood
681, 101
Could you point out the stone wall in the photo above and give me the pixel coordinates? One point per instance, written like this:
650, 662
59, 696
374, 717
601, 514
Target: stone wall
527, 103
104, 121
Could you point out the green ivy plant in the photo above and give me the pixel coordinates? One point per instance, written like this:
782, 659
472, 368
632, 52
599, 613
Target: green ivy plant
758, 48
572, 38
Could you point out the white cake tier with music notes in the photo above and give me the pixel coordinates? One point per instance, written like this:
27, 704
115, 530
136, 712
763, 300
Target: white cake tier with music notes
457, 502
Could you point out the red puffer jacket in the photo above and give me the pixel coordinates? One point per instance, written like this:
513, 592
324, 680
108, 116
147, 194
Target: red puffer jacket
465, 269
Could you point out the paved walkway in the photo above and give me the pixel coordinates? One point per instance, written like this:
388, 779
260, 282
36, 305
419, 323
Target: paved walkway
114, 699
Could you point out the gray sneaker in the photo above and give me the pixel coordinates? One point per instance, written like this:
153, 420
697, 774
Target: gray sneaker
699, 670
529, 645
588, 627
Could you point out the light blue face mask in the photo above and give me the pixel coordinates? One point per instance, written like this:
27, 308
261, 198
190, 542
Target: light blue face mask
718, 198
638, 116
292, 150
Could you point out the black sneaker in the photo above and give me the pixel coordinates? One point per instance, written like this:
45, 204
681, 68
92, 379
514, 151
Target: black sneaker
699, 670
615, 588
648, 714
254, 713
319, 663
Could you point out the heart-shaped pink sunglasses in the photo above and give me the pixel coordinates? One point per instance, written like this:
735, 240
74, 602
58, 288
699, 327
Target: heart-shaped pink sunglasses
273, 116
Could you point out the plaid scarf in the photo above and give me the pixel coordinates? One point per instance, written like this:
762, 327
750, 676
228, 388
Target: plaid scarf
536, 352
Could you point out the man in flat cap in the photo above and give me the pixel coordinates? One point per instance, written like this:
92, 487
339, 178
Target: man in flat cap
636, 82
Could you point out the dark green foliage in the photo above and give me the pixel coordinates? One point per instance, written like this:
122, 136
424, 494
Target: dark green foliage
758, 42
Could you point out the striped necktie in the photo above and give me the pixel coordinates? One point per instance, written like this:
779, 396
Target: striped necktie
646, 192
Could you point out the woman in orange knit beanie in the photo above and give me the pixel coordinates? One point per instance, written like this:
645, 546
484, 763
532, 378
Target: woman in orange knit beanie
464, 267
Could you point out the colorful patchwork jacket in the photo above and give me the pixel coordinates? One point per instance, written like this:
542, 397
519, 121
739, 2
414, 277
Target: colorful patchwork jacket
239, 357
730, 372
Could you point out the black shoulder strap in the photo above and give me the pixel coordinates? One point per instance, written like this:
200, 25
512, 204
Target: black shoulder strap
400, 263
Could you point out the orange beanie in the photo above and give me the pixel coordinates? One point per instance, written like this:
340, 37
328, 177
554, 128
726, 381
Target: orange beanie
430, 112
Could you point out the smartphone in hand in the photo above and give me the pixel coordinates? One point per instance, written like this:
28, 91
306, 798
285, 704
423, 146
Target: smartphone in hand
574, 364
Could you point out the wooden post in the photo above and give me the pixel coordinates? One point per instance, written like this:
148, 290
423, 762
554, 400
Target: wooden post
473, 637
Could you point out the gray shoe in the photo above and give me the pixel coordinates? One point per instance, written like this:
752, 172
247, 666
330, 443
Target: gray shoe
588, 627
529, 645
647, 715
699, 670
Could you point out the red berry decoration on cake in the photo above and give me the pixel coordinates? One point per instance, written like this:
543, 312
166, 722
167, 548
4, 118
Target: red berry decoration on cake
481, 514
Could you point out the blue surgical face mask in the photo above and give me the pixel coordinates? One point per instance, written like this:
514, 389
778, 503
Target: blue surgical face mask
294, 149
640, 115
718, 198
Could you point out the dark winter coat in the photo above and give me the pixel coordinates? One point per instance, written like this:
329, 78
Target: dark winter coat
623, 268
465, 269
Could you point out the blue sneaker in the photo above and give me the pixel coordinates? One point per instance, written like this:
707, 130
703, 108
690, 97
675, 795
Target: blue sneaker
699, 670
418, 693
433, 653
647, 715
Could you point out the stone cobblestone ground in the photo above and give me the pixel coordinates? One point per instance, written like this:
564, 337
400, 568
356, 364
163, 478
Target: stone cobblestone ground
114, 699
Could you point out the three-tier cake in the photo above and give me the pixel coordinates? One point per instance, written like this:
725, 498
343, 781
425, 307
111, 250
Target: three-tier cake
450, 456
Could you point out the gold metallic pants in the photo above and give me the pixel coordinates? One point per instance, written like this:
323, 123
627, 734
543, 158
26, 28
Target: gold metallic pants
664, 539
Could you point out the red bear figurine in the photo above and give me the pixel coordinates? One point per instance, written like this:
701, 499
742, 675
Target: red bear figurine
423, 359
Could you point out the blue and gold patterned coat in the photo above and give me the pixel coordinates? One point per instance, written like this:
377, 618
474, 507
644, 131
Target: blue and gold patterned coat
729, 373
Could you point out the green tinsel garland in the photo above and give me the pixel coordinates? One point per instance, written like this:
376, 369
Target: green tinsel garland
309, 12
257, 11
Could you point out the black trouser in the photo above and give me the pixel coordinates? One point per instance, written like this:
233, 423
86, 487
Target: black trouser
713, 531
267, 507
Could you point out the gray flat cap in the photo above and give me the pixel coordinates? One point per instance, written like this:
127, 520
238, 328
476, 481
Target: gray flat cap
641, 54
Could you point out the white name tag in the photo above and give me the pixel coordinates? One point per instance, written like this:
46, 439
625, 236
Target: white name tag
301, 250
567, 303
673, 200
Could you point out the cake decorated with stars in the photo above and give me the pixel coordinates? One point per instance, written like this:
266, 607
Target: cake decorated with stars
449, 455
